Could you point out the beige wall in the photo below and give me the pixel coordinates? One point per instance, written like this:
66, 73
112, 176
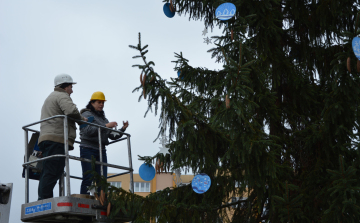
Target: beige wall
186, 178
163, 180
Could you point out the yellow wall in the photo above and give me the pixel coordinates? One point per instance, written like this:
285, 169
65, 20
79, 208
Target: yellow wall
160, 181
125, 182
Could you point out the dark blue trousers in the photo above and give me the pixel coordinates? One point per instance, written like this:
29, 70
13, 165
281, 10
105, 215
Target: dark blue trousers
52, 168
87, 153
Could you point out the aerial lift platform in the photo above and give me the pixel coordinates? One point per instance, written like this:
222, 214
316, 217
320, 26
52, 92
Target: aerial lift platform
67, 207
5, 201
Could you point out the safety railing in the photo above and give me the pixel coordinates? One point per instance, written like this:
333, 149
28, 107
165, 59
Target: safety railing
67, 156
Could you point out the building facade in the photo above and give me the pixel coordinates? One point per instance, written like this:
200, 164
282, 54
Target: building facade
144, 188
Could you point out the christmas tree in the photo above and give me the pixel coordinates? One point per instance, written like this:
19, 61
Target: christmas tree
277, 127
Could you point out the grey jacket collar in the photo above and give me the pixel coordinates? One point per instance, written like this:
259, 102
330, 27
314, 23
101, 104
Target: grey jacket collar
84, 110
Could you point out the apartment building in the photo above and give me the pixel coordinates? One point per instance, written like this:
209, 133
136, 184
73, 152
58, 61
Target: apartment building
161, 181
144, 188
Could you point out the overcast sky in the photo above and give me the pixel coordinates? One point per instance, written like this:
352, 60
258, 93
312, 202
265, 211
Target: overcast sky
89, 40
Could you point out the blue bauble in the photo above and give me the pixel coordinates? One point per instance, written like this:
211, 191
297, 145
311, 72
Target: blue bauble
179, 75
356, 47
225, 11
201, 183
90, 119
147, 172
167, 10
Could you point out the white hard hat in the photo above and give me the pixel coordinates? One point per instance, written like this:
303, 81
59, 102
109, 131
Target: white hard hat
62, 79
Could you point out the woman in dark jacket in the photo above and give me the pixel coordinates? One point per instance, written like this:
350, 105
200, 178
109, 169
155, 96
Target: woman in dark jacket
89, 145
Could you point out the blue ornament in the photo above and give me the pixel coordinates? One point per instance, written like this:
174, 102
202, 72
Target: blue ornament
225, 11
201, 183
179, 74
167, 10
90, 119
147, 172
356, 46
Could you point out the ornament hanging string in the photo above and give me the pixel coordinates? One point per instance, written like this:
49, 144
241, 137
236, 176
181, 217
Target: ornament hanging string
230, 29
232, 33
172, 8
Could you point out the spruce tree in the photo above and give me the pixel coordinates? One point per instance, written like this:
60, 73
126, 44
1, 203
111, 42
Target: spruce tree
280, 119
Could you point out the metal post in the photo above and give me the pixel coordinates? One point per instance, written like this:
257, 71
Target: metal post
26, 168
60, 189
100, 152
62, 186
130, 163
66, 145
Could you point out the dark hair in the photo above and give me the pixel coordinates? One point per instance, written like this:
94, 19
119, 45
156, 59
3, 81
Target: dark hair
89, 106
64, 85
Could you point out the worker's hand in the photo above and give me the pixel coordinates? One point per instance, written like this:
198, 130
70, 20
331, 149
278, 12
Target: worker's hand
85, 119
125, 125
111, 124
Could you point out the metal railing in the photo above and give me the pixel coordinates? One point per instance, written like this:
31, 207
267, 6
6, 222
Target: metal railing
67, 156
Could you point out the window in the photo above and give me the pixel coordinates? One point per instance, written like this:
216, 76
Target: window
235, 199
115, 184
240, 184
141, 187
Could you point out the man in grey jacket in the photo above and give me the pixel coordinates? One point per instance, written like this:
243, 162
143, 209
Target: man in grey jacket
51, 139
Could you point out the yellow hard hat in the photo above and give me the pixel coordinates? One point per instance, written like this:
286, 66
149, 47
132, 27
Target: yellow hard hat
98, 96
